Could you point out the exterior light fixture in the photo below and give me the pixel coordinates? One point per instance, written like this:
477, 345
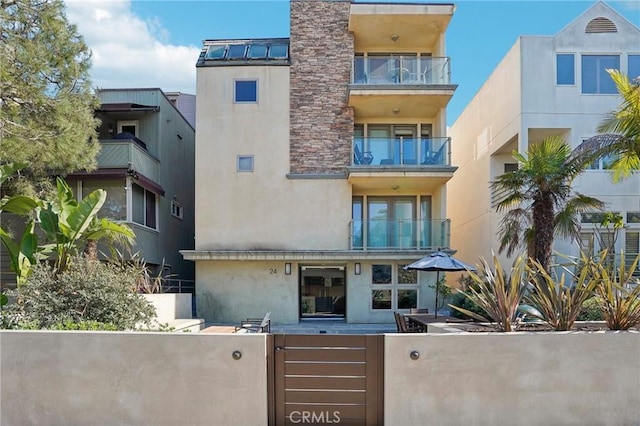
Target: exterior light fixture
356, 268
287, 269
395, 37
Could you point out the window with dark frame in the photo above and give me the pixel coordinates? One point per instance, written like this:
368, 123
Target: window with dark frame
246, 91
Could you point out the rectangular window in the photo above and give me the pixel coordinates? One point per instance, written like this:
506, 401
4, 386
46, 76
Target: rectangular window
391, 291
634, 67
565, 69
176, 209
144, 206
595, 78
246, 91
510, 167
115, 206
245, 163
633, 217
129, 126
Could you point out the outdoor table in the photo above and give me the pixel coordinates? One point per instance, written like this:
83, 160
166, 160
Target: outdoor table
421, 319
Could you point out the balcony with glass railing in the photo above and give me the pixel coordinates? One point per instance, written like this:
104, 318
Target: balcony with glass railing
400, 234
401, 70
401, 152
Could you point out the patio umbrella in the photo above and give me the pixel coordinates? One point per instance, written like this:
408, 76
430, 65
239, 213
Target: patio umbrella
439, 261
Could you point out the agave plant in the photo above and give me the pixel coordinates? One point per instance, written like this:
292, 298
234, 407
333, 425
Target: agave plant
559, 303
497, 294
621, 306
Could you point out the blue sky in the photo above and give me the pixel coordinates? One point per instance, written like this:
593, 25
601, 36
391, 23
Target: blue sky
479, 35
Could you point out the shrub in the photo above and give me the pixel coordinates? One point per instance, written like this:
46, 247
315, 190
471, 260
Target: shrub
87, 292
591, 310
84, 326
463, 301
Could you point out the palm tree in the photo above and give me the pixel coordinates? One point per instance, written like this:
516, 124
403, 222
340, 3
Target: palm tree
537, 200
620, 130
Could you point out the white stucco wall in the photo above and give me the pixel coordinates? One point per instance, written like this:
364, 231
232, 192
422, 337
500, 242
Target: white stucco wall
262, 209
230, 291
520, 104
486, 127
98, 378
512, 379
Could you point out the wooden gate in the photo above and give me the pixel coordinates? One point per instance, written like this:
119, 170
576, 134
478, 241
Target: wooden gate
327, 379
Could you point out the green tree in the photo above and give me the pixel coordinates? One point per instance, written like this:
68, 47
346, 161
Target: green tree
620, 130
46, 101
537, 200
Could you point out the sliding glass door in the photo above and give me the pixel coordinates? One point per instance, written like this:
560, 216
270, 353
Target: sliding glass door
391, 222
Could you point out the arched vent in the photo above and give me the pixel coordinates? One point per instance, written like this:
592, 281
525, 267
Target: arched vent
601, 25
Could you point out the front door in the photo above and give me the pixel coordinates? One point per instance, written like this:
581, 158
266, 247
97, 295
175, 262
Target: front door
322, 291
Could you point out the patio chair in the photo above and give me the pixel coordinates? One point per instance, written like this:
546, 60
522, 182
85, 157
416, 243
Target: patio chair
360, 157
404, 327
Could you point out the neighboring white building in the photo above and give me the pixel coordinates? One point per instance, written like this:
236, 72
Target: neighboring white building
321, 164
186, 104
545, 85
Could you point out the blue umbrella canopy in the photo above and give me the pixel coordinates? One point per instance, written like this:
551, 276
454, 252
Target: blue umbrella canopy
436, 262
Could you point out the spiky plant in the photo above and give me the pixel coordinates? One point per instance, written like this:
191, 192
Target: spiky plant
621, 306
497, 294
559, 303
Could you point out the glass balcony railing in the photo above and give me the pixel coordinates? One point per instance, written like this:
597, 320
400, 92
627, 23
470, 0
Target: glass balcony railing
400, 234
408, 70
382, 152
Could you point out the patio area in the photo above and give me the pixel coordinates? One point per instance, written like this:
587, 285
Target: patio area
326, 326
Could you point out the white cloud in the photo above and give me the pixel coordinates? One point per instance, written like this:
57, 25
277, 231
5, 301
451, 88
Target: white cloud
130, 52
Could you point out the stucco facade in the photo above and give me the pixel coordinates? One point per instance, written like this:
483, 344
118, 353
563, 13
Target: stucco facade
530, 95
289, 217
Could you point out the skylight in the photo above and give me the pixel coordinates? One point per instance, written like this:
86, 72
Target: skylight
279, 51
257, 51
234, 50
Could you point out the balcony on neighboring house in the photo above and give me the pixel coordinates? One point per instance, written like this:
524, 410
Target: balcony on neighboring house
384, 86
400, 234
123, 153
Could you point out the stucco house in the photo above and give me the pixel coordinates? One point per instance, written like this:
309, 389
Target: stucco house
321, 164
545, 85
146, 165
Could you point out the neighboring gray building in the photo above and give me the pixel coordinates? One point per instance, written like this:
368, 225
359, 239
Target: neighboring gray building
146, 165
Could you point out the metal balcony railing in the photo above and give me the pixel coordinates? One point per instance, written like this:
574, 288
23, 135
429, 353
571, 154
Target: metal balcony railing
401, 70
402, 151
400, 234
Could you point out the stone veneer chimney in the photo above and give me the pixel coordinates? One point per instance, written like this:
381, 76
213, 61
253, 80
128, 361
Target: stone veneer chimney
321, 52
